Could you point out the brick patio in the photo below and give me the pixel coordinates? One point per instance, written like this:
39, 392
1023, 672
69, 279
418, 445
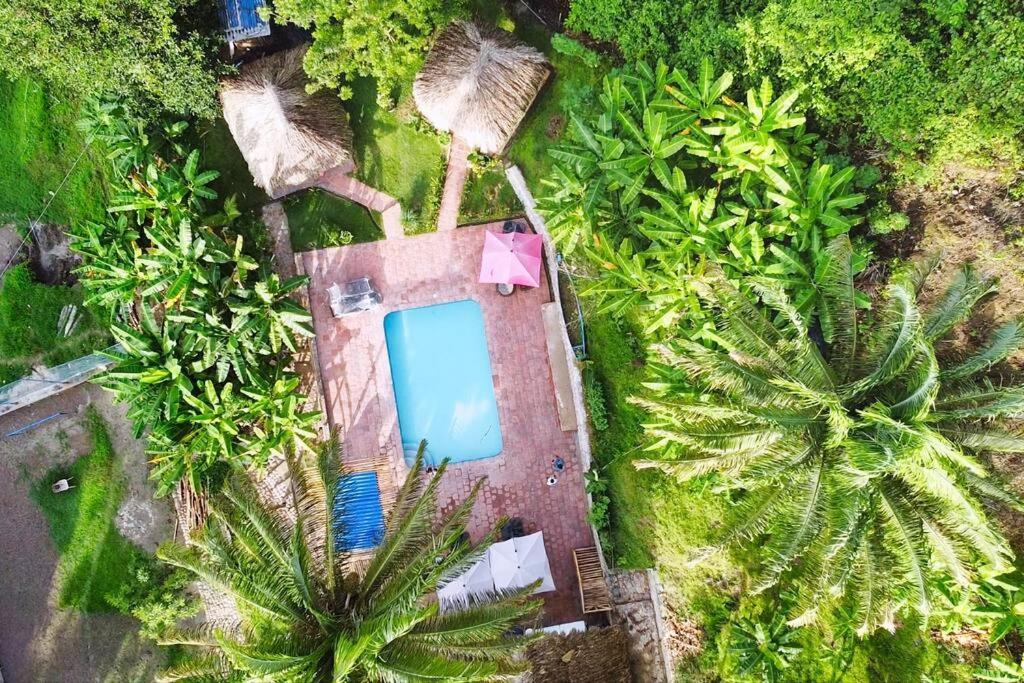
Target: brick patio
439, 268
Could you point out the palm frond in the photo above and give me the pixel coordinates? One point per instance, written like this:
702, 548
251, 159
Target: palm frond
982, 437
1004, 342
979, 402
966, 289
837, 313
897, 342
315, 483
204, 669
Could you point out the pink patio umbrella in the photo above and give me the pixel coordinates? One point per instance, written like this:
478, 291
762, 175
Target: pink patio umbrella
511, 258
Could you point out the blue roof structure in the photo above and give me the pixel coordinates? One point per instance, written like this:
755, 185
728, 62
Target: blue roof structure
358, 517
241, 19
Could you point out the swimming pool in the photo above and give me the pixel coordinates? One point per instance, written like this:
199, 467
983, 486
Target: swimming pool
441, 372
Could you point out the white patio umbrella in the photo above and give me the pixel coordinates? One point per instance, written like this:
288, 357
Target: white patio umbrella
521, 561
474, 582
504, 565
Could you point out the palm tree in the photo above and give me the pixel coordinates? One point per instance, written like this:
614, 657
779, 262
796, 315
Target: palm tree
308, 616
855, 470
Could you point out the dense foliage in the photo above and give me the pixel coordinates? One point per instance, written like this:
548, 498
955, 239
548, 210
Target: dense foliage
910, 75
674, 175
384, 40
856, 472
205, 330
152, 52
309, 617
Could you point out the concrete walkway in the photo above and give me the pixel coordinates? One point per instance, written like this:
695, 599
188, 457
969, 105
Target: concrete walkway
454, 183
340, 183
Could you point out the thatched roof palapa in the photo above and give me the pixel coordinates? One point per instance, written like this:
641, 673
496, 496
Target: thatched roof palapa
288, 137
478, 83
598, 655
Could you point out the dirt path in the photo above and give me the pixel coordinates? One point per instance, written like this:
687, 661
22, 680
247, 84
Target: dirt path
38, 640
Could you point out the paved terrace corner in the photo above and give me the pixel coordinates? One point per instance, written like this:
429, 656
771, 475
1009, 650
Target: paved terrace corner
440, 268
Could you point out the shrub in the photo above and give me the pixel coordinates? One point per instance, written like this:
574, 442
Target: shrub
884, 220
593, 395
155, 594
911, 76
598, 490
683, 32
573, 48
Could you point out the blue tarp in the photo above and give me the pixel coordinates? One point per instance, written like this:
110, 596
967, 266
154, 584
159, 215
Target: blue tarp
358, 517
241, 19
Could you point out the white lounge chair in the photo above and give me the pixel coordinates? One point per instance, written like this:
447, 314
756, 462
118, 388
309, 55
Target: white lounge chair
354, 296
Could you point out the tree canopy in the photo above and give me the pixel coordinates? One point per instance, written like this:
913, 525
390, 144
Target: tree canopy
309, 616
856, 469
384, 40
158, 53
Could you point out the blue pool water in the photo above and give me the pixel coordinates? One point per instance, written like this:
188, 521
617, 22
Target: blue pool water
442, 377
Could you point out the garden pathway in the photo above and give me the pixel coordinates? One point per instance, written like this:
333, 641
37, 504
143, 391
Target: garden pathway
340, 183
454, 183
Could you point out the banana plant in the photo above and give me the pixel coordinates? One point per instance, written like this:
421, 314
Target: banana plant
269, 312
150, 375
111, 273
674, 175
815, 199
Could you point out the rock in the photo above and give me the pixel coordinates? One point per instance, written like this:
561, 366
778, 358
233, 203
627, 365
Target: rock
10, 246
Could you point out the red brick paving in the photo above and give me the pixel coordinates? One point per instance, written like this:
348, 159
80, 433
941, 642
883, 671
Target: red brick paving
338, 181
439, 268
456, 172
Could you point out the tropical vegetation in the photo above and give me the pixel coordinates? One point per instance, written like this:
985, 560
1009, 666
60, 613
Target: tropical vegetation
914, 79
383, 40
674, 175
308, 616
158, 54
856, 467
205, 331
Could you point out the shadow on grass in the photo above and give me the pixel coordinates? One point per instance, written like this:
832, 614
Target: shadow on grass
95, 560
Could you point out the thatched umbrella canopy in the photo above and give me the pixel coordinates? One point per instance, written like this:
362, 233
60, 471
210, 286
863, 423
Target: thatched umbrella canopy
288, 137
598, 655
478, 83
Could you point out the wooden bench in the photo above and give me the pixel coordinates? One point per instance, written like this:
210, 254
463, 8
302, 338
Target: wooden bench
594, 593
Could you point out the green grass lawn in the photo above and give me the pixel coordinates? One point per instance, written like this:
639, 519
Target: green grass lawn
28, 325
39, 145
318, 219
397, 156
573, 86
95, 560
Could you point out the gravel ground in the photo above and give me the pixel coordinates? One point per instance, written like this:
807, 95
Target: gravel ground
38, 640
